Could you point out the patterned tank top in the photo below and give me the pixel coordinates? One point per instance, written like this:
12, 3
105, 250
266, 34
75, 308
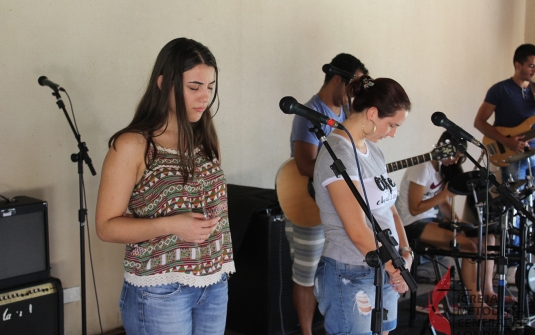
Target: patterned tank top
169, 259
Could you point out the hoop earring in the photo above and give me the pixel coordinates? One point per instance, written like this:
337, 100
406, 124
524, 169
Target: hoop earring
368, 134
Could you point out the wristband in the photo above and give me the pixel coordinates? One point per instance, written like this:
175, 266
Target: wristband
402, 250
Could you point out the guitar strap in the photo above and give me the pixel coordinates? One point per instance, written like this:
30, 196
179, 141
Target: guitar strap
316, 129
311, 191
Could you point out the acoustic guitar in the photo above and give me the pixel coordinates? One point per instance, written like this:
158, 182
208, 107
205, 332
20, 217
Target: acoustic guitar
500, 155
298, 205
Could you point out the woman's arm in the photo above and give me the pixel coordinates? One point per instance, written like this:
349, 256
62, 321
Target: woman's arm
352, 216
402, 238
354, 221
123, 167
416, 194
446, 209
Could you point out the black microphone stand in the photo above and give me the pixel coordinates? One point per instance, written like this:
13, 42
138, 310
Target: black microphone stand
473, 187
375, 258
526, 223
80, 157
509, 198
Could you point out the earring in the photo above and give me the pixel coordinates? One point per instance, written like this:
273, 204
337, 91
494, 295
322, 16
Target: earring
368, 134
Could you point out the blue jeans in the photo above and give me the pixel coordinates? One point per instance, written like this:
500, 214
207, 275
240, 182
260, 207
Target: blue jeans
346, 296
175, 309
518, 170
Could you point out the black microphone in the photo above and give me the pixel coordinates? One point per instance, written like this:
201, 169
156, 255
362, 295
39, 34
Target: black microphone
329, 69
43, 81
290, 106
439, 119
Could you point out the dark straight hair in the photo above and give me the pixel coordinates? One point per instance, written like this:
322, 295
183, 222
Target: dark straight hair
523, 52
152, 113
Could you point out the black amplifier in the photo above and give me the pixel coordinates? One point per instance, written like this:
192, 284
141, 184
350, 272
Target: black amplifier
32, 309
260, 292
24, 253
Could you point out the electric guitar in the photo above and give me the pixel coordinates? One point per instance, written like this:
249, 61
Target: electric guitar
300, 208
500, 155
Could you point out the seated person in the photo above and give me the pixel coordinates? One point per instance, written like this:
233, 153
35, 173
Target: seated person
423, 188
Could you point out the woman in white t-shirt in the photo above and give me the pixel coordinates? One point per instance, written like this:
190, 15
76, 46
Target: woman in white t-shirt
423, 189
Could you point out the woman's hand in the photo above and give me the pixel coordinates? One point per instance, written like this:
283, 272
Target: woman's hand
399, 285
407, 256
447, 194
194, 227
396, 280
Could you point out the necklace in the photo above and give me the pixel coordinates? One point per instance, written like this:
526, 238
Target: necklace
524, 91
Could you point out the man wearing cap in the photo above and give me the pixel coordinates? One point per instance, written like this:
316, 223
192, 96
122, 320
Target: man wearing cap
307, 242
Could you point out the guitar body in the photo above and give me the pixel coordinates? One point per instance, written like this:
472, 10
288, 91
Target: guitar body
500, 155
294, 199
299, 207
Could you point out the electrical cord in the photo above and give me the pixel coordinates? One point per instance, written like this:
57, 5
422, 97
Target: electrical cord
368, 209
91, 260
72, 113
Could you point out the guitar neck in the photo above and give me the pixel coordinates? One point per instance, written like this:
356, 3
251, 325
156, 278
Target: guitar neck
405, 163
528, 135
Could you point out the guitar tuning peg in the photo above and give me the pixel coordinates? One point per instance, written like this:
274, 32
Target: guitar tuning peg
447, 141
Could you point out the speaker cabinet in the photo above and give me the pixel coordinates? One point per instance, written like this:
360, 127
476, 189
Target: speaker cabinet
260, 292
32, 309
24, 253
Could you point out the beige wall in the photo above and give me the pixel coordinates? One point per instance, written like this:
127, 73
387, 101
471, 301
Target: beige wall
530, 21
445, 53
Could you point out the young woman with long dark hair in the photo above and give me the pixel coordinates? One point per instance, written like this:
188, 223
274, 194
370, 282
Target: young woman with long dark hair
164, 167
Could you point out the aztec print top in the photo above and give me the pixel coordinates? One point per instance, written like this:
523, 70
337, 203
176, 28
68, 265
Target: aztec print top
169, 259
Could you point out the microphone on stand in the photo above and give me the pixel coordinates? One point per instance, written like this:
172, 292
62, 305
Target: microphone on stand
329, 69
290, 106
439, 119
43, 81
